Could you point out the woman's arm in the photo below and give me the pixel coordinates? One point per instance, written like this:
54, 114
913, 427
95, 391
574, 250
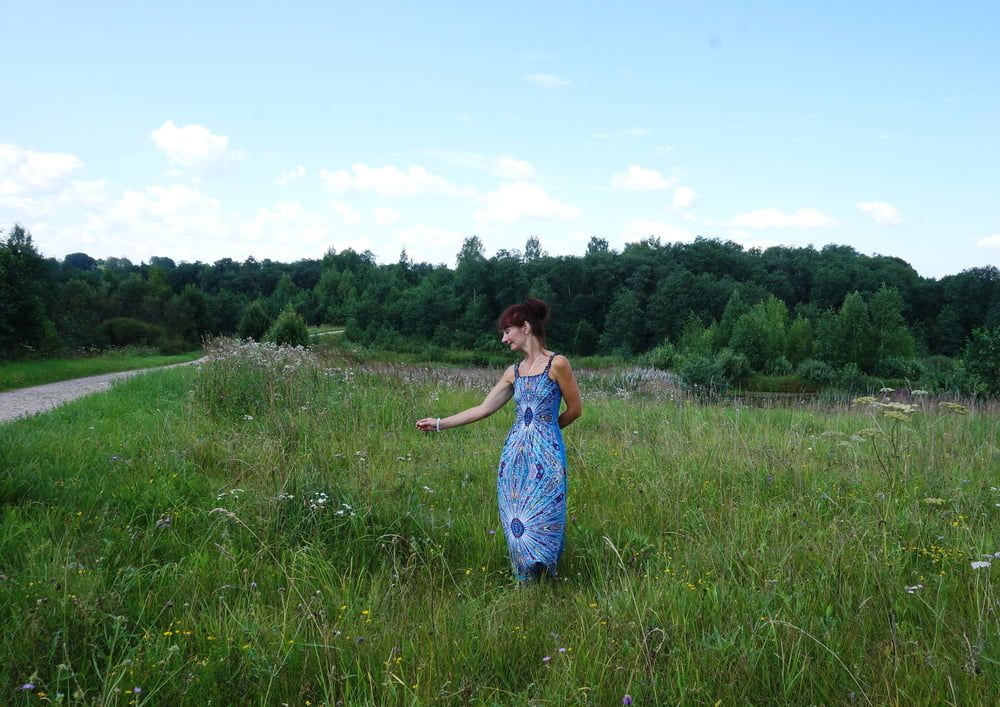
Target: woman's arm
495, 399
563, 374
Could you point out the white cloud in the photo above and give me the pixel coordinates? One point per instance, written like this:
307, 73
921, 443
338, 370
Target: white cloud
289, 175
683, 197
748, 240
513, 168
522, 200
25, 172
547, 81
384, 216
193, 145
992, 241
881, 212
773, 218
635, 178
640, 229
346, 213
389, 181
427, 244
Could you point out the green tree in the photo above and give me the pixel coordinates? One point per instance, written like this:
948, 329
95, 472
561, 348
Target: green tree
585, 339
533, 250
624, 327
982, 359
760, 333
799, 341
891, 335
847, 337
24, 281
289, 329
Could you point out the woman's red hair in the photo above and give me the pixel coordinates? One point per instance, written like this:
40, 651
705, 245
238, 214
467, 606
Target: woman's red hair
533, 311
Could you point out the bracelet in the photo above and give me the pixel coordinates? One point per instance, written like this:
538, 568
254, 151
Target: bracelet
437, 426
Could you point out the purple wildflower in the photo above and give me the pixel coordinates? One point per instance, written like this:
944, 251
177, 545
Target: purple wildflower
546, 659
136, 690
627, 700
27, 686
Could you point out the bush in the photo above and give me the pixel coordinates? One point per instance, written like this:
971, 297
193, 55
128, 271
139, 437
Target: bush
289, 329
254, 323
662, 356
909, 369
171, 344
982, 360
778, 366
817, 373
126, 331
735, 366
945, 375
702, 374
854, 381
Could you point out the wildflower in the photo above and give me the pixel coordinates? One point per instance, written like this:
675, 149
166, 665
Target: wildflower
27, 686
627, 700
562, 650
980, 564
914, 589
136, 690
546, 659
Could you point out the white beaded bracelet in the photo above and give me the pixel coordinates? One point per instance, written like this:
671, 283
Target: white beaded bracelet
438, 425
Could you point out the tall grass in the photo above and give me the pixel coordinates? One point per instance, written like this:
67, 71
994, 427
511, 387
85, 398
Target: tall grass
270, 529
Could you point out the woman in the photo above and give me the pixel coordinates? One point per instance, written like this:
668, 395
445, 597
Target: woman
531, 479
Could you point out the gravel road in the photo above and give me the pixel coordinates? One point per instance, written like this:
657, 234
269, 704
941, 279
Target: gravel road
25, 402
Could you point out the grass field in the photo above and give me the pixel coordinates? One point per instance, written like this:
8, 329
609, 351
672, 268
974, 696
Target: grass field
22, 374
265, 530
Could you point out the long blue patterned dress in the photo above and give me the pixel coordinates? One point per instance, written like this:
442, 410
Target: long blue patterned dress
531, 480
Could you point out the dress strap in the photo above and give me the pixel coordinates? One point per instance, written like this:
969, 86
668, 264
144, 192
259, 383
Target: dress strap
549, 364
516, 365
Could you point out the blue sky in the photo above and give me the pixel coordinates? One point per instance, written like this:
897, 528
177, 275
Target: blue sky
208, 130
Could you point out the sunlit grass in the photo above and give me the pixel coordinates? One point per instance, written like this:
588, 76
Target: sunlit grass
268, 530
22, 374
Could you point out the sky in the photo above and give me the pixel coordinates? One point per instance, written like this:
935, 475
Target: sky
201, 131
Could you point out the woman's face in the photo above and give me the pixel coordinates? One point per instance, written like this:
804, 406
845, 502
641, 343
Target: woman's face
515, 336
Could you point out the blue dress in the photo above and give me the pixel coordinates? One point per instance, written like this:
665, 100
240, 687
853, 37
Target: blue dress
531, 480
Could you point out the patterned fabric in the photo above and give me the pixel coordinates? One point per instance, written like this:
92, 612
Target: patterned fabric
531, 480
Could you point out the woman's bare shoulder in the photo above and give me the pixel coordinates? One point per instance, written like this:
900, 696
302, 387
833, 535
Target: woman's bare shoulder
560, 363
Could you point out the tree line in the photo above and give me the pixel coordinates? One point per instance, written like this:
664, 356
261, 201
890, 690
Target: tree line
718, 311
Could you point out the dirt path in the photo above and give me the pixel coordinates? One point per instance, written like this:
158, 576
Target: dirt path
25, 402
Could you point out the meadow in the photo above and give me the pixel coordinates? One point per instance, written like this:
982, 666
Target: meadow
269, 528
22, 374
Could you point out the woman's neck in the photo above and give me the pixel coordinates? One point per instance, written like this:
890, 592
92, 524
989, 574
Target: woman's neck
534, 351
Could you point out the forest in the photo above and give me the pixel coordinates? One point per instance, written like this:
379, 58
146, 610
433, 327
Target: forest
716, 313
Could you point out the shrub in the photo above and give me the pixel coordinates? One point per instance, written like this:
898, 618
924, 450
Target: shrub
254, 323
817, 373
662, 356
899, 367
778, 366
945, 375
853, 380
289, 329
735, 366
171, 344
702, 374
126, 331
982, 359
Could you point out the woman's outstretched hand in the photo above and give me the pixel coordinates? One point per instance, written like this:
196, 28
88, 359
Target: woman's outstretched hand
428, 424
